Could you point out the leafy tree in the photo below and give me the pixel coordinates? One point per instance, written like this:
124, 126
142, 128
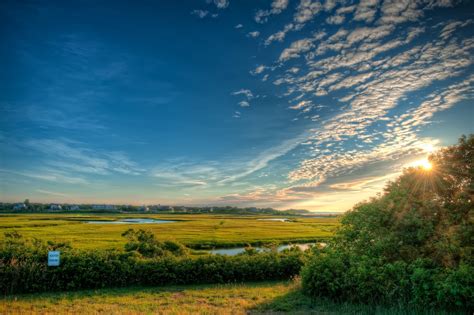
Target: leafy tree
422, 226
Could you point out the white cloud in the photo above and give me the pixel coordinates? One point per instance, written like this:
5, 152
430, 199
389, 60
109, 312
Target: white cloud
306, 10
200, 13
253, 34
245, 92
399, 12
277, 7
300, 105
221, 4
335, 19
258, 70
346, 10
436, 102
238, 26
296, 48
244, 104
369, 34
293, 70
280, 35
366, 10
451, 27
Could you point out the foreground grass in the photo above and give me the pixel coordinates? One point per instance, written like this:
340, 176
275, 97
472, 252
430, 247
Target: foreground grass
253, 298
192, 230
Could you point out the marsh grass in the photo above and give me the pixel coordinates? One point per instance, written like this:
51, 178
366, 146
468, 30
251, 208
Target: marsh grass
195, 231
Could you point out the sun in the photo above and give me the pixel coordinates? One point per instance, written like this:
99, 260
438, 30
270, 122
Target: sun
424, 164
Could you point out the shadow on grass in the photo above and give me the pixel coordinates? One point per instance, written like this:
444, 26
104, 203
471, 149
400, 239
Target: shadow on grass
295, 302
271, 298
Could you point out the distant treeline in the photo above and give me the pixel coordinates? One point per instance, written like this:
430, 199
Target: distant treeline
27, 207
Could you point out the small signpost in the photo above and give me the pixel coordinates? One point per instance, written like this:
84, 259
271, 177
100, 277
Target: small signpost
53, 258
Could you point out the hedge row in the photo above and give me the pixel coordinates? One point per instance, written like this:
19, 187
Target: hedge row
88, 270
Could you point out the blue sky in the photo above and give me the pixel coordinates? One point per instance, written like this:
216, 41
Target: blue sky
284, 104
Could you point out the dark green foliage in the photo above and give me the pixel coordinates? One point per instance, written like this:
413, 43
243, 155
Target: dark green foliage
413, 245
23, 267
145, 243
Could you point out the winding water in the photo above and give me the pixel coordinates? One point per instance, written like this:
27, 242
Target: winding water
239, 250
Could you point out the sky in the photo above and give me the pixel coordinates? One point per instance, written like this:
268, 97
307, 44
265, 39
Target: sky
283, 103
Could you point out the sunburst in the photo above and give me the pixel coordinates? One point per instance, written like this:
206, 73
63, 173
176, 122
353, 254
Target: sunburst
423, 164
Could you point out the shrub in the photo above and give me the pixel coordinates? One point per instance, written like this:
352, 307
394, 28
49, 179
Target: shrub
24, 269
145, 243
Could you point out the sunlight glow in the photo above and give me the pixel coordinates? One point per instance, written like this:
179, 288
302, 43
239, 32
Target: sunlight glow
428, 147
423, 163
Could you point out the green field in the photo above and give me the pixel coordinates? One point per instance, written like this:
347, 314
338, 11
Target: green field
197, 231
253, 298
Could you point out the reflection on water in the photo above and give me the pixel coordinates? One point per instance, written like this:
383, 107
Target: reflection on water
132, 221
239, 250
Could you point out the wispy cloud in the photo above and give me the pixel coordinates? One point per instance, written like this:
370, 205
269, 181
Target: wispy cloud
220, 4
253, 34
51, 193
49, 117
214, 174
277, 7
265, 157
74, 156
200, 13
296, 49
244, 103
49, 175
245, 92
361, 184
259, 69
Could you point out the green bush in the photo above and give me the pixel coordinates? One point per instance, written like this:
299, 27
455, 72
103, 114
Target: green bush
23, 268
413, 245
145, 243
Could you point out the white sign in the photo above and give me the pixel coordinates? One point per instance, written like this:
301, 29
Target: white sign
53, 258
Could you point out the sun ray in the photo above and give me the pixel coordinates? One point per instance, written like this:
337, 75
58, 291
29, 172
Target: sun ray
423, 164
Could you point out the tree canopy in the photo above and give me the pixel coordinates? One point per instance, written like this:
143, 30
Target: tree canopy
422, 224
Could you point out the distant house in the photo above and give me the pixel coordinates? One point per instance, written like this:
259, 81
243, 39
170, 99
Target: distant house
20, 206
143, 208
73, 207
55, 207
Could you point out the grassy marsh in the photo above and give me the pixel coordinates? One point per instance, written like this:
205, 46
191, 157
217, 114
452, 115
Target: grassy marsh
197, 231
